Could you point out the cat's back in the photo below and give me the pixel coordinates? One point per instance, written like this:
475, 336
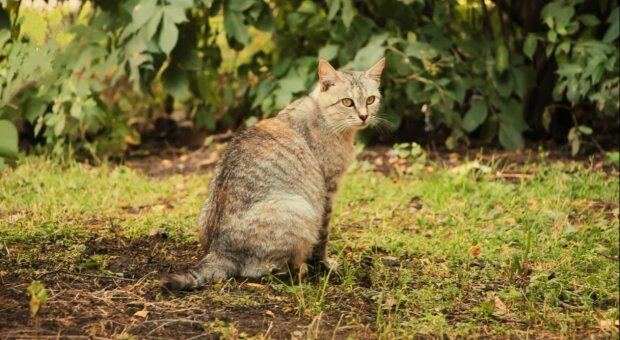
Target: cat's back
265, 160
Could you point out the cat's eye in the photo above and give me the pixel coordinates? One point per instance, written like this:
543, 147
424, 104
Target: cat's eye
370, 100
348, 102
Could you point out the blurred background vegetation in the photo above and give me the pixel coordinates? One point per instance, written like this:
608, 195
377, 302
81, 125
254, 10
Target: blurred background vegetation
94, 78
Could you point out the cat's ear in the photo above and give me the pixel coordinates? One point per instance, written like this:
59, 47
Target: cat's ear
328, 75
375, 71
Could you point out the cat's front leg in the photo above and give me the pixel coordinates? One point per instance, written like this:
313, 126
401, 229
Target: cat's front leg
320, 256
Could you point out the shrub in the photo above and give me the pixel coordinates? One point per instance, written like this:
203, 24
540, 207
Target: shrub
484, 70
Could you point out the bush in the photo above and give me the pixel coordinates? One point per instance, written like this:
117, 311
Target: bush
484, 70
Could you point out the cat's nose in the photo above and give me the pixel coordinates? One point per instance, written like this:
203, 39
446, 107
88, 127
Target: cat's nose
363, 117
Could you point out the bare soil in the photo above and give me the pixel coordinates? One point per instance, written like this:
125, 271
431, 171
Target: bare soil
127, 300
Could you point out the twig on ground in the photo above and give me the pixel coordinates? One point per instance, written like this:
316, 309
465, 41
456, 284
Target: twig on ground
61, 271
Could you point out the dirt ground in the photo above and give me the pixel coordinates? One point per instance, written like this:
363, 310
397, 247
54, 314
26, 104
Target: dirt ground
94, 306
84, 304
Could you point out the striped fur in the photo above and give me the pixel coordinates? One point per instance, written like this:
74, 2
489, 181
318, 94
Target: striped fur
271, 196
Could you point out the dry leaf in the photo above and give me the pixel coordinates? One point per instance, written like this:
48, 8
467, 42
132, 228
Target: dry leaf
141, 313
475, 251
255, 285
389, 302
130, 140
500, 305
270, 313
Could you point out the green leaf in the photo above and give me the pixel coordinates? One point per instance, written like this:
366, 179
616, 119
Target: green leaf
265, 21
368, 56
240, 5
613, 31
182, 3
588, 20
574, 140
511, 114
38, 296
293, 84
586, 130
347, 13
509, 137
59, 126
234, 27
613, 157
34, 108
168, 36
175, 81
334, 7
142, 12
529, 46
5, 35
563, 15
175, 14
502, 59
421, 50
328, 52
153, 25
475, 116
503, 83
8, 140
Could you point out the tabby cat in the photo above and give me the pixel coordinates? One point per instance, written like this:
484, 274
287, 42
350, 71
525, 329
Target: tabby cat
271, 196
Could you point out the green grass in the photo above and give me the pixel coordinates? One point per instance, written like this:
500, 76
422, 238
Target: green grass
441, 252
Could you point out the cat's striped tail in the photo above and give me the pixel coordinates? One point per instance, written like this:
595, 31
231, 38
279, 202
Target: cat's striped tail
211, 269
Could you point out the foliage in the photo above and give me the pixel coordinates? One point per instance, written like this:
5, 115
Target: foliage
477, 68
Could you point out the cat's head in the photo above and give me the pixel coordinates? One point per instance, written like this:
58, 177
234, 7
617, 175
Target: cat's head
349, 99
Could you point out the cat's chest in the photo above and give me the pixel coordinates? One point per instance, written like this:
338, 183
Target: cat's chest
334, 160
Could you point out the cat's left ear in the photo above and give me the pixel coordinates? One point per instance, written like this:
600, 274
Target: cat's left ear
327, 75
375, 71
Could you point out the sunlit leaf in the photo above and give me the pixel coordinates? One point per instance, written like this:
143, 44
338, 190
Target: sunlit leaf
529, 46
168, 36
8, 140
347, 12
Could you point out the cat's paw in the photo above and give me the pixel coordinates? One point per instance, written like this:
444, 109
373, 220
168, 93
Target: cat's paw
329, 264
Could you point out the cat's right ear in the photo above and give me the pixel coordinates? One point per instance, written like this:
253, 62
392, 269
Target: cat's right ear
327, 75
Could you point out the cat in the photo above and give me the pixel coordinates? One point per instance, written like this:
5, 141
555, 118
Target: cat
271, 196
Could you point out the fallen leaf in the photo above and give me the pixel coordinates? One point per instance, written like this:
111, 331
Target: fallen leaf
130, 140
141, 313
500, 305
475, 251
255, 285
166, 163
270, 313
389, 302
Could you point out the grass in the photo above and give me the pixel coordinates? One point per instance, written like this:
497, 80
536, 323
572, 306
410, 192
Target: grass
455, 251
